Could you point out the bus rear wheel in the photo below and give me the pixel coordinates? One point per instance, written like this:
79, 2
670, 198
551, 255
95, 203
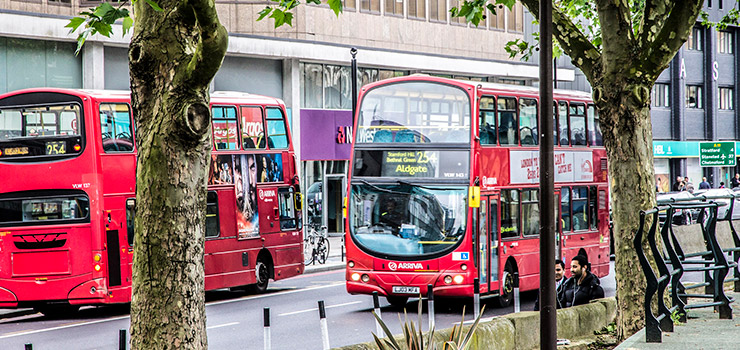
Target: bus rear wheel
507, 291
396, 301
263, 277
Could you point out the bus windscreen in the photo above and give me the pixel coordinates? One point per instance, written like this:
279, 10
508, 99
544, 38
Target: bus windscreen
40, 131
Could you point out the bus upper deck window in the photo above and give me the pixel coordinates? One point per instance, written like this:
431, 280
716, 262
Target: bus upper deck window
253, 129
277, 136
507, 121
224, 128
528, 121
563, 124
577, 124
487, 121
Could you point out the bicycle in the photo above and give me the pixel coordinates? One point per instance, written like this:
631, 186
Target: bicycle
315, 246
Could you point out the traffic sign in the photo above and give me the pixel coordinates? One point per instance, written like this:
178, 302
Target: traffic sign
717, 154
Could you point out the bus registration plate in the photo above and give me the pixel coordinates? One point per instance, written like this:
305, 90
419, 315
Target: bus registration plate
405, 290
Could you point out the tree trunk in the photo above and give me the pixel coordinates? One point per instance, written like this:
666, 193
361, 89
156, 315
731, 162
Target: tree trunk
173, 56
624, 108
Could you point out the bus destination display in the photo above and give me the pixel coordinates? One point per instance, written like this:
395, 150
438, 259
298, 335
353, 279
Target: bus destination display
56, 147
414, 163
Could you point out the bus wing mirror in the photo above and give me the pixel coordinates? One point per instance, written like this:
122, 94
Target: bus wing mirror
298, 201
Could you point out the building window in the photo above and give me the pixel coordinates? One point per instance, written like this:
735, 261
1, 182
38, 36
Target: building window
438, 10
695, 39
337, 87
726, 98
394, 7
498, 20
694, 96
417, 9
660, 95
516, 18
348, 5
724, 42
372, 6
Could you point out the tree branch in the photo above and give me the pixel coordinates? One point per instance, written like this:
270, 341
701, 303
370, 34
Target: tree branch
616, 32
654, 16
574, 43
656, 56
212, 46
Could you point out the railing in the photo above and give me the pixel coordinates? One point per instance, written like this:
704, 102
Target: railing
711, 259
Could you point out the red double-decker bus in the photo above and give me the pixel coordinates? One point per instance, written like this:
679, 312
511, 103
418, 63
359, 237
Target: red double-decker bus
67, 205
444, 188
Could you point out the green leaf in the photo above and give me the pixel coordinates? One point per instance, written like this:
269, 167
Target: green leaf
336, 6
128, 22
507, 3
74, 23
154, 5
102, 28
103, 9
279, 16
288, 18
266, 11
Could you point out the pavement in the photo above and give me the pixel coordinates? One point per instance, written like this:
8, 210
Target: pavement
335, 261
703, 330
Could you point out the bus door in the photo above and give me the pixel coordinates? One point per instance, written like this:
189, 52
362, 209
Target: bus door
494, 240
483, 246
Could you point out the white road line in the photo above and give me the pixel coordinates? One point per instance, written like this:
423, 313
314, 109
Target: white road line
223, 325
17, 334
316, 309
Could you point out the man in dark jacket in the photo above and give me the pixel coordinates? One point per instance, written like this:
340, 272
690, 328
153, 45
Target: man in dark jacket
559, 282
582, 286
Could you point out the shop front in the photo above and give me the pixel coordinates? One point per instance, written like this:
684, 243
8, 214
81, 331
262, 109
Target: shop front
681, 158
326, 144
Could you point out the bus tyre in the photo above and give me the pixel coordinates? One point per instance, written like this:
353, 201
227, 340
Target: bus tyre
263, 277
396, 301
507, 292
57, 310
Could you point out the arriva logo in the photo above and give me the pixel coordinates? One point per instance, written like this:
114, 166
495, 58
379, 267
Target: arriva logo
405, 266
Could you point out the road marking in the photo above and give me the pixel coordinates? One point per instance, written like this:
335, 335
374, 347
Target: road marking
223, 325
16, 334
316, 309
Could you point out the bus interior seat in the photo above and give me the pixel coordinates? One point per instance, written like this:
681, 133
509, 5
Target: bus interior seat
383, 136
406, 136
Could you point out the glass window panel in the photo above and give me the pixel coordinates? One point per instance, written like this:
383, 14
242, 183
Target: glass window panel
313, 76
225, 136
555, 139
115, 127
528, 121
694, 41
592, 208
530, 213
580, 208
507, 123
565, 209
509, 213
726, 98
416, 8
487, 121
577, 125
661, 95
332, 87
348, 5
724, 42
277, 136
563, 121
694, 96
438, 10
372, 6
253, 130
394, 7
594, 127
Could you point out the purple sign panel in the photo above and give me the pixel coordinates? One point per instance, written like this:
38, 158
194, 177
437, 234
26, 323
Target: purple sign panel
326, 135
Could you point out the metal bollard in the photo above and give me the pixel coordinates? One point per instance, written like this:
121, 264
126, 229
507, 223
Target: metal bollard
29, 346
122, 339
324, 326
476, 297
342, 248
516, 292
430, 305
267, 336
376, 306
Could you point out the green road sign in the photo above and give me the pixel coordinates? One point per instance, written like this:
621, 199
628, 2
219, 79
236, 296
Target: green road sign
717, 153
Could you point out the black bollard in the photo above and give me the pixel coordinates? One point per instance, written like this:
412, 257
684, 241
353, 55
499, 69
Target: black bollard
476, 297
122, 339
29, 346
430, 305
516, 293
267, 336
324, 326
376, 306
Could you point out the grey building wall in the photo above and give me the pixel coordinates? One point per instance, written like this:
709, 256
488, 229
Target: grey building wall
252, 75
116, 68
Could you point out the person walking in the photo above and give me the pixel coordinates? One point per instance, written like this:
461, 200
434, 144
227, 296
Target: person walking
735, 182
704, 185
582, 286
688, 186
678, 185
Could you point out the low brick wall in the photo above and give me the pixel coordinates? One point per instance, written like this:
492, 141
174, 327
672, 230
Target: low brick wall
522, 330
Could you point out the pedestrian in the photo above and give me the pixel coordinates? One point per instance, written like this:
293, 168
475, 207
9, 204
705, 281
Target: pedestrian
582, 286
735, 182
704, 185
721, 184
688, 186
559, 282
678, 185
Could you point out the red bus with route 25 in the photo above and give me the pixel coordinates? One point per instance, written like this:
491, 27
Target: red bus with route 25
67, 201
443, 188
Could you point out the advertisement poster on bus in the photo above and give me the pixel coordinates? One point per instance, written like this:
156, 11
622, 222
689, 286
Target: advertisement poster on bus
247, 216
221, 170
524, 166
270, 168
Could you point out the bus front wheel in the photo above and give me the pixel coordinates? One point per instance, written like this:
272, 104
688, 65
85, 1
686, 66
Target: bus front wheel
397, 301
507, 291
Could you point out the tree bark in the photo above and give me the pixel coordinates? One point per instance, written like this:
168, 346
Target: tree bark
173, 56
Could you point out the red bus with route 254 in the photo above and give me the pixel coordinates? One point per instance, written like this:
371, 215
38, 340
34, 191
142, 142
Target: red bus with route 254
443, 188
68, 163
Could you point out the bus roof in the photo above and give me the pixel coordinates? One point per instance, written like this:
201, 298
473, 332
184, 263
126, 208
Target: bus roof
529, 90
217, 97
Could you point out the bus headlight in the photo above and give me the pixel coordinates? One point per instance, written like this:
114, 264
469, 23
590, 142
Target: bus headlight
97, 257
458, 279
365, 278
464, 267
448, 279
355, 276
351, 264
97, 267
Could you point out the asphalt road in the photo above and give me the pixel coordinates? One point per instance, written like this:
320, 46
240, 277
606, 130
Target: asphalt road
234, 319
